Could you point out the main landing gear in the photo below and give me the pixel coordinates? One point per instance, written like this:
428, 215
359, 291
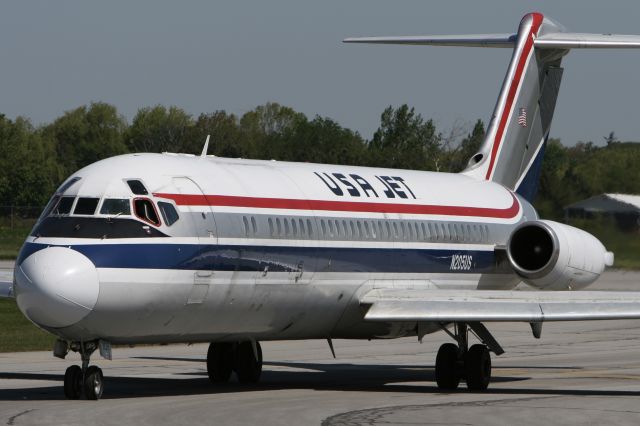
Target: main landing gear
86, 381
459, 362
242, 358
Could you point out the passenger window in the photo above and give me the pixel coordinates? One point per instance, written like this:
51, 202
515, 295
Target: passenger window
279, 226
294, 227
271, 227
168, 212
286, 226
86, 206
116, 206
245, 222
324, 227
301, 226
137, 187
144, 209
64, 206
353, 228
254, 225
366, 229
309, 227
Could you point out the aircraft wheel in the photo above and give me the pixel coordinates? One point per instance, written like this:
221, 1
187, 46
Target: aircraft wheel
220, 361
478, 367
447, 376
248, 368
93, 383
73, 382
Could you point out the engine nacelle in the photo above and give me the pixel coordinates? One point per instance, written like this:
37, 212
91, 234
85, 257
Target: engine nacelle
553, 256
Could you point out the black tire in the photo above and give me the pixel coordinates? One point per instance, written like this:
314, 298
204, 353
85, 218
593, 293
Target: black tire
478, 367
73, 382
248, 368
220, 359
447, 376
93, 383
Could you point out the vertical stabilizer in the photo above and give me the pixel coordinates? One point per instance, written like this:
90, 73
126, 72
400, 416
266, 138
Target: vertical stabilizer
513, 149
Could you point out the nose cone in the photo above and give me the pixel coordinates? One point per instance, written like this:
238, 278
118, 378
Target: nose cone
56, 287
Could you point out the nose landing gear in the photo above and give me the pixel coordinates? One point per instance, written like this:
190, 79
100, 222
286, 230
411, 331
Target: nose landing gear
87, 381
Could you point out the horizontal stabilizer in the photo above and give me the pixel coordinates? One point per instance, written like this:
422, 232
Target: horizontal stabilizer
563, 40
554, 40
398, 305
469, 40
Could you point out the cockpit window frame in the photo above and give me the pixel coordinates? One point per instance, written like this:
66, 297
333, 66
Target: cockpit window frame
143, 191
81, 199
168, 220
155, 209
105, 199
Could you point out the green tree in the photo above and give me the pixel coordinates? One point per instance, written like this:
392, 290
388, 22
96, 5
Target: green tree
322, 140
267, 127
87, 134
404, 140
29, 171
158, 129
226, 138
470, 145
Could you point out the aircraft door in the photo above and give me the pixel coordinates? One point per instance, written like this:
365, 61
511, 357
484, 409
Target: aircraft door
203, 226
199, 214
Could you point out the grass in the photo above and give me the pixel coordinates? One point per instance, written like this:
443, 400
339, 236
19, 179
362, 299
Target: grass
12, 236
625, 245
18, 333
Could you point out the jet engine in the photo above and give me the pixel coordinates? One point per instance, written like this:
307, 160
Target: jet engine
553, 256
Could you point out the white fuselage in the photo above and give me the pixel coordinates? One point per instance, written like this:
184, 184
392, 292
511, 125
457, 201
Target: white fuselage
259, 249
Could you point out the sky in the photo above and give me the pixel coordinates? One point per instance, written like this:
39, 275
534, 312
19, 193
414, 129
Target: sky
208, 55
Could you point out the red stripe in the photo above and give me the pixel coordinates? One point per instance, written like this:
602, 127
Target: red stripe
342, 206
535, 26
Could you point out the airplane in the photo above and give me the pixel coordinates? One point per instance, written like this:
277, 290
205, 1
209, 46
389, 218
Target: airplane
168, 248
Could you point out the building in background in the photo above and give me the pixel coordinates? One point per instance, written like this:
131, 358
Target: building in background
623, 208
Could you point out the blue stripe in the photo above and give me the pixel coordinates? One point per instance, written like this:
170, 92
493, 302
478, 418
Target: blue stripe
529, 186
277, 259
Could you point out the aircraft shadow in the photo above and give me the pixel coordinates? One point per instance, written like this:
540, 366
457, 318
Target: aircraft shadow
325, 377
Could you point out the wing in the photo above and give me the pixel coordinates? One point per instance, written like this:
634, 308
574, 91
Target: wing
488, 305
6, 284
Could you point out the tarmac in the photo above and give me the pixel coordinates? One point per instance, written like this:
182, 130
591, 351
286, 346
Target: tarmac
577, 373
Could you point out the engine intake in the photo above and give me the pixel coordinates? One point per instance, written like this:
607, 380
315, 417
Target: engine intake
551, 255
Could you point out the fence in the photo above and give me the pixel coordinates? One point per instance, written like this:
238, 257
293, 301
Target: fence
12, 217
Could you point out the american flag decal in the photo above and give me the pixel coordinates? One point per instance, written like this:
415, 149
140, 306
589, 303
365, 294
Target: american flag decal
522, 117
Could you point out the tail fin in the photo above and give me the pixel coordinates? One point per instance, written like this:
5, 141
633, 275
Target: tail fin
516, 137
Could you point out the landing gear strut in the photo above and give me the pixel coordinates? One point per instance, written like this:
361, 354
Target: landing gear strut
86, 381
456, 362
242, 358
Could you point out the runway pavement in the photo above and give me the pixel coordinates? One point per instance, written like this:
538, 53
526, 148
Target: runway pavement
578, 373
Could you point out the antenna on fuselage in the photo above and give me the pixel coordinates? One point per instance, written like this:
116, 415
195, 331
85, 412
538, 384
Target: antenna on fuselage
206, 147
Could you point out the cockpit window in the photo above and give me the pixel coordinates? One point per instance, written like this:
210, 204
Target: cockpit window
115, 206
168, 212
137, 187
64, 206
56, 197
86, 206
144, 209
